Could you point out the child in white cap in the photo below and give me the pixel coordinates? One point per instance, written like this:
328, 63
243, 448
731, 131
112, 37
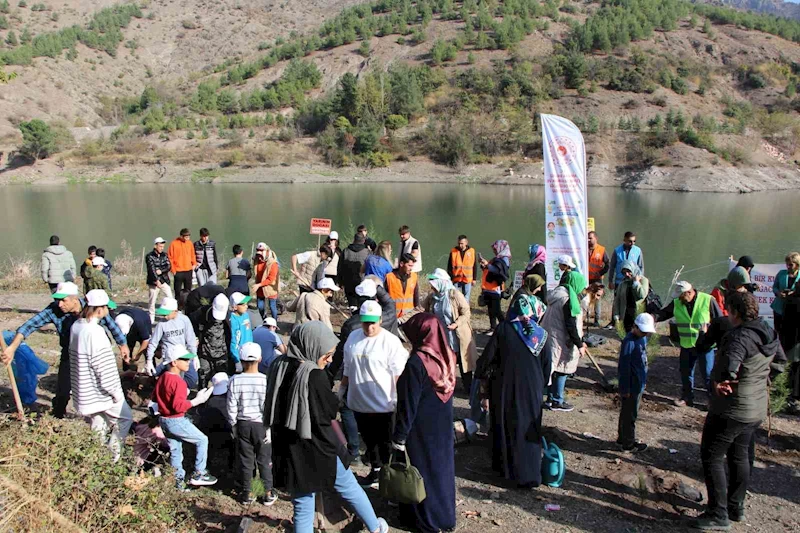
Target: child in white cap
632, 371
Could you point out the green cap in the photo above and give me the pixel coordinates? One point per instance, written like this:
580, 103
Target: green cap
371, 311
112, 304
188, 356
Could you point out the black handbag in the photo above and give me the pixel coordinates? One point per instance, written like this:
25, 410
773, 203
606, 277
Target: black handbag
401, 482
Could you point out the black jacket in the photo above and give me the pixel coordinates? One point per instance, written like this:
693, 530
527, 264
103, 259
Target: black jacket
350, 265
213, 336
156, 261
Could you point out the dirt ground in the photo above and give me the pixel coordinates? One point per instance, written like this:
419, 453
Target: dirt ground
605, 490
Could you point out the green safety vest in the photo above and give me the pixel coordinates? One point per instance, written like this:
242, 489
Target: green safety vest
689, 327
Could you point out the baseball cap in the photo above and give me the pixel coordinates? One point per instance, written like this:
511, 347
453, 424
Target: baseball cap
168, 305
334, 235
327, 283
175, 352
269, 321
371, 311
98, 261
566, 260
220, 383
680, 288
261, 246
250, 351
220, 306
158, 240
645, 323
367, 288
124, 322
64, 289
439, 273
99, 298
739, 277
237, 298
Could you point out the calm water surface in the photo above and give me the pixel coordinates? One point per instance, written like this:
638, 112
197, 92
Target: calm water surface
674, 229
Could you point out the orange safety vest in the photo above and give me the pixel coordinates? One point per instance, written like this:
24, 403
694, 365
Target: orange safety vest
596, 262
403, 301
462, 268
490, 285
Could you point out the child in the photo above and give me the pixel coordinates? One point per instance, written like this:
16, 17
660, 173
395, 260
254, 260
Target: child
106, 269
632, 372
150, 444
239, 271
246, 396
94, 277
241, 330
171, 396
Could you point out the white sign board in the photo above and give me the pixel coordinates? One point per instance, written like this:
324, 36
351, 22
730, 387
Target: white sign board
764, 276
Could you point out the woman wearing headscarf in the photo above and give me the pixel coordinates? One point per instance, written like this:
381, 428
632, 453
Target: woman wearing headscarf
533, 287
424, 426
563, 320
495, 274
538, 260
630, 295
380, 262
514, 369
267, 276
786, 307
307, 455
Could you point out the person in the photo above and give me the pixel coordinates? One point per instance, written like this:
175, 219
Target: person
247, 393
373, 361
747, 357
205, 254
380, 262
462, 266
314, 305
352, 264
183, 260
332, 267
241, 330
693, 311
745, 264
94, 277
532, 287
308, 261
58, 264
537, 266
410, 245
200, 297
563, 320
175, 330
632, 374
599, 265
62, 313
272, 346
299, 411
135, 325
150, 446
495, 275
107, 267
325, 255
451, 307
368, 242
630, 296
514, 369
96, 387
789, 293
239, 271
213, 330
158, 269
87, 265
267, 282
424, 421
785, 283
627, 251
402, 284
171, 395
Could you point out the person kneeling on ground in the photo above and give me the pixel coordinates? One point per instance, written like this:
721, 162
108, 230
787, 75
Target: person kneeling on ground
632, 372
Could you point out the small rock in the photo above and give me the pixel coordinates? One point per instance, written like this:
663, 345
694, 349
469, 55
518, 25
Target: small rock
497, 522
495, 496
617, 461
689, 492
673, 451
487, 501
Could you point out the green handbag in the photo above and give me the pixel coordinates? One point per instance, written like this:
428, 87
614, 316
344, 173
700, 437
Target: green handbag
401, 482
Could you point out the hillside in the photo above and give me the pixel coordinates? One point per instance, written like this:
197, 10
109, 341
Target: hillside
666, 84
773, 7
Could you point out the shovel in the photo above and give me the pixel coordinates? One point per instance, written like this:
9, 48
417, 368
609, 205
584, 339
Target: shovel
606, 385
13, 381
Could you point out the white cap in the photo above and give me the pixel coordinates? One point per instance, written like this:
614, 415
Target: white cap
566, 260
64, 289
367, 288
220, 306
158, 240
269, 321
261, 246
98, 261
250, 351
371, 311
173, 352
97, 298
168, 305
334, 235
220, 383
124, 322
645, 323
439, 273
237, 298
680, 288
327, 283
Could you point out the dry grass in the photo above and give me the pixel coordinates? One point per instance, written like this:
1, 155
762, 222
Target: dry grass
20, 273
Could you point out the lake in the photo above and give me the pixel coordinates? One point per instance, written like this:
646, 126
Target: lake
674, 229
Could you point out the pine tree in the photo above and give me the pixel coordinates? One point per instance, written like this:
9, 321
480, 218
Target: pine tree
11, 39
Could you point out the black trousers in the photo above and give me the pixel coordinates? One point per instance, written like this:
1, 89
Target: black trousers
724, 438
628, 414
183, 280
63, 386
492, 300
376, 432
253, 451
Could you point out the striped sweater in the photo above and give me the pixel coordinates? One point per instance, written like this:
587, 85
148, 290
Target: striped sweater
246, 396
93, 369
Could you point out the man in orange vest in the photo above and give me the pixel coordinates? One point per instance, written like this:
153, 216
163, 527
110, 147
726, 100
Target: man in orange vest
598, 267
402, 286
462, 266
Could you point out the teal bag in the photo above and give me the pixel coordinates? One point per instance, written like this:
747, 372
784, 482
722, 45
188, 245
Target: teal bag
553, 468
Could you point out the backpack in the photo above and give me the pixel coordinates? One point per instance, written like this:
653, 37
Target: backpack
652, 303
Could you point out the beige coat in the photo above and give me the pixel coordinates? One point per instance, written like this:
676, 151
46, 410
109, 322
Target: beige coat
313, 306
565, 355
461, 315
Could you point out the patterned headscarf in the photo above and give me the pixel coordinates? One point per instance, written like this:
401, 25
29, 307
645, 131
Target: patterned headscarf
522, 316
538, 254
502, 249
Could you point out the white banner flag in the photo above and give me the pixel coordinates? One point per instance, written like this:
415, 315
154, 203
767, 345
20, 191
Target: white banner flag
564, 195
764, 276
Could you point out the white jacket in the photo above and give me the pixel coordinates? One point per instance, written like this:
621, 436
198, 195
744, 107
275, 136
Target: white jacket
94, 376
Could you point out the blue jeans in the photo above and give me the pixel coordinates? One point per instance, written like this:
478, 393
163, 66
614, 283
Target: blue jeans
465, 288
178, 431
476, 412
273, 307
555, 393
688, 359
350, 428
348, 488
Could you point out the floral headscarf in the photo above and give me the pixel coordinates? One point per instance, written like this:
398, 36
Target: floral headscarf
538, 254
502, 249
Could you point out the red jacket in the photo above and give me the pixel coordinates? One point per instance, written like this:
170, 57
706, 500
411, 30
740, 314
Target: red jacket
719, 296
170, 395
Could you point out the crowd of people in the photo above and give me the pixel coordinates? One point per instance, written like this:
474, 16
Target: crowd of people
394, 362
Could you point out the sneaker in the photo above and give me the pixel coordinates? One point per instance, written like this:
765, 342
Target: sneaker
202, 479
563, 406
711, 522
596, 324
383, 527
370, 480
547, 404
180, 486
610, 326
246, 498
736, 514
635, 447
269, 498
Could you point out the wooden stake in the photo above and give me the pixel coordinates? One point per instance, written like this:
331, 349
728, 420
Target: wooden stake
142, 271
13, 381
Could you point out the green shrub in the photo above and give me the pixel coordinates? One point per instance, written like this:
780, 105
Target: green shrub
779, 393
379, 159
38, 140
395, 122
